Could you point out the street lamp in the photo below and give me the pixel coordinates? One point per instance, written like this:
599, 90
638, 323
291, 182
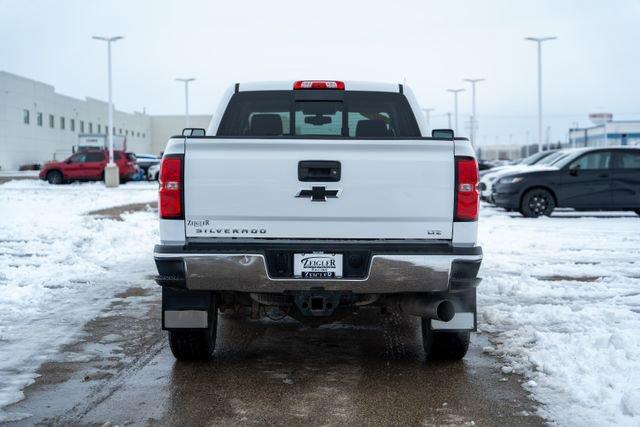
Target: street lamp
186, 98
455, 108
473, 109
539, 41
111, 174
426, 113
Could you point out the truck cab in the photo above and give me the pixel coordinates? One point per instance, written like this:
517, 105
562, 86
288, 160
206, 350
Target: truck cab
317, 199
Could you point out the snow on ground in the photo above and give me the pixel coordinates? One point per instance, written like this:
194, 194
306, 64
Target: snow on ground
560, 300
60, 267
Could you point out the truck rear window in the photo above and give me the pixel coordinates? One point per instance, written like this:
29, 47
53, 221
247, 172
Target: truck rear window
326, 113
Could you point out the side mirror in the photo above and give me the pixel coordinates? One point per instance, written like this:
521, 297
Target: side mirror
442, 134
193, 132
574, 168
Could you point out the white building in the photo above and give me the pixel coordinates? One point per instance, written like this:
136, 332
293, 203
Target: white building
163, 127
37, 124
499, 152
606, 134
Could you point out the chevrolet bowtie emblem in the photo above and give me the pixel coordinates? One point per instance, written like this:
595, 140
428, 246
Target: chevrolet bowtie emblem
319, 194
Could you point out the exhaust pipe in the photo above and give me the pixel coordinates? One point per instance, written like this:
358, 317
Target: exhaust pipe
438, 309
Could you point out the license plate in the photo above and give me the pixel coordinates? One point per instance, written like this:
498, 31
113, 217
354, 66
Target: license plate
317, 265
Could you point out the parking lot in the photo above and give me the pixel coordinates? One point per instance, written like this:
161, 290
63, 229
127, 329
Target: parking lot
559, 311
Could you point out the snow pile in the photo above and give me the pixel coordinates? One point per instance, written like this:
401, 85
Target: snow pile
561, 299
60, 267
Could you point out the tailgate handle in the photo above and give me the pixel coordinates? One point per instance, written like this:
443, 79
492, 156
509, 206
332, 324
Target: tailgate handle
319, 170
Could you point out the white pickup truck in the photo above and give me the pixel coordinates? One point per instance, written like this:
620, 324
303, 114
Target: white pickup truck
318, 199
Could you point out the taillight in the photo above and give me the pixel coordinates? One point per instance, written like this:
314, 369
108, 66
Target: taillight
318, 84
170, 181
466, 189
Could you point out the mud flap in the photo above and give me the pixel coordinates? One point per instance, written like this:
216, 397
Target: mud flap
184, 309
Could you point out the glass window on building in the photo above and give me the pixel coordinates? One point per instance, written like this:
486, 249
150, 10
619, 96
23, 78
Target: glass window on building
81, 126
138, 135
51, 121
100, 128
25, 117
126, 132
61, 123
120, 131
39, 119
144, 135
90, 127
72, 125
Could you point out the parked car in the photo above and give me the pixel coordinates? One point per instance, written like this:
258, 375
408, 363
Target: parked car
487, 179
87, 165
529, 160
146, 160
318, 198
585, 179
153, 172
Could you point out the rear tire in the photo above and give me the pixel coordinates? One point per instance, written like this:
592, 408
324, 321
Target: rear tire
537, 202
444, 345
54, 178
195, 344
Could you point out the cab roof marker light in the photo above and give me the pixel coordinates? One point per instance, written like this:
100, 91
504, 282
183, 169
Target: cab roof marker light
318, 84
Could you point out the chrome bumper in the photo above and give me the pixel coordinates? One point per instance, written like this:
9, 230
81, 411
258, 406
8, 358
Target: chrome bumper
388, 273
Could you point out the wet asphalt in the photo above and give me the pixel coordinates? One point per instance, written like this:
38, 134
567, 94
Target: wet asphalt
368, 369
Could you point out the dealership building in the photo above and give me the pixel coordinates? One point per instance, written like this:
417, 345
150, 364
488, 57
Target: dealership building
37, 124
605, 132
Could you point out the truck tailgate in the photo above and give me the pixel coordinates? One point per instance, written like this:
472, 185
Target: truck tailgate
393, 189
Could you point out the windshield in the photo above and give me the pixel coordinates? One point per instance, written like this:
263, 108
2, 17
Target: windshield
535, 158
326, 113
552, 158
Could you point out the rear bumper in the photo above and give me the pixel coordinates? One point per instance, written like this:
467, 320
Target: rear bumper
390, 269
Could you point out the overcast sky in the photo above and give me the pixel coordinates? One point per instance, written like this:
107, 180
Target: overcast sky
593, 66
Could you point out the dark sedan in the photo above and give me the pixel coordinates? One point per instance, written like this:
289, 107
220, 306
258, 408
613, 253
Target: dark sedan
606, 178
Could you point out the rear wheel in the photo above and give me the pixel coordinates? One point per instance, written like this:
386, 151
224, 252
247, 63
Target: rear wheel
195, 344
444, 345
54, 177
537, 202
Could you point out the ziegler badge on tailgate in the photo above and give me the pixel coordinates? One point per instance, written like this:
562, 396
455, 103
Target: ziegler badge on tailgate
317, 265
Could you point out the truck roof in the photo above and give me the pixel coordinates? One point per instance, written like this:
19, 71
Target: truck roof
288, 85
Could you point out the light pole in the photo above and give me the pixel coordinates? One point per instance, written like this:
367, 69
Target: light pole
186, 99
539, 41
426, 113
455, 108
473, 109
449, 120
111, 174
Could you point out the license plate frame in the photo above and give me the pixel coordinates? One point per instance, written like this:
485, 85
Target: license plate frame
318, 265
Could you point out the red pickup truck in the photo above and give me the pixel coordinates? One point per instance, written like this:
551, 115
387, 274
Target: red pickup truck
87, 165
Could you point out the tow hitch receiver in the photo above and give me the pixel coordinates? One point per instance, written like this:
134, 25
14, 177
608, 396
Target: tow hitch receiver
317, 303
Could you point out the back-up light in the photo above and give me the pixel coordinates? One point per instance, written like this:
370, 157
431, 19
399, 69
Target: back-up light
170, 181
467, 197
318, 84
